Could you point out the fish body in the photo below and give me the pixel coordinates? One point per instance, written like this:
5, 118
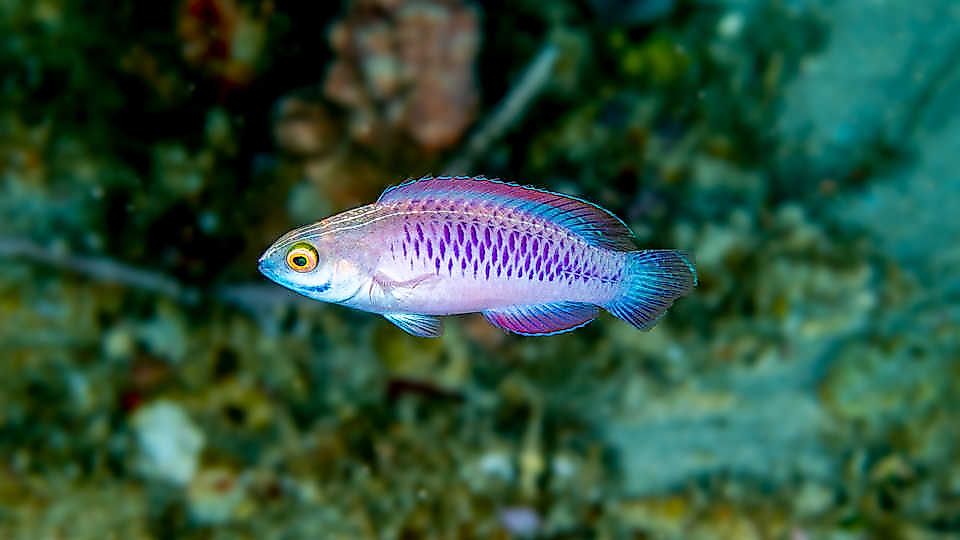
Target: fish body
532, 261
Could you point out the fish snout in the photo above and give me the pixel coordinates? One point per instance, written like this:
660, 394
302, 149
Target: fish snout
263, 265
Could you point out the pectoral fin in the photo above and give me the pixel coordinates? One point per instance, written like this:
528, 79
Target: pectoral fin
398, 290
417, 325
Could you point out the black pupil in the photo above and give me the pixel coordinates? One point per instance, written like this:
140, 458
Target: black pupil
300, 260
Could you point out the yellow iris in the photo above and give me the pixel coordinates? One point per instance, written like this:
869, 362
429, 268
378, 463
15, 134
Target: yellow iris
302, 257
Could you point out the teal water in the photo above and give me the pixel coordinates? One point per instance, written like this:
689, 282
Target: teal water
154, 385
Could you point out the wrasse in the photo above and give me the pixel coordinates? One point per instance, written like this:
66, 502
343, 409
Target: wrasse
533, 262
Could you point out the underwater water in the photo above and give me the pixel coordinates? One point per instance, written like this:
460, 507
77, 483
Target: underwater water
153, 384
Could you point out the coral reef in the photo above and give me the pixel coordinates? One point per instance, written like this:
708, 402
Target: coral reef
169, 443
332, 176
406, 69
223, 38
154, 387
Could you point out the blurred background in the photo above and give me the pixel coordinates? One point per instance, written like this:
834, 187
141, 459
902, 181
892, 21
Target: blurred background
153, 385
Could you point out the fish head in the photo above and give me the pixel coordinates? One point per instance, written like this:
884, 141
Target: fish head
309, 263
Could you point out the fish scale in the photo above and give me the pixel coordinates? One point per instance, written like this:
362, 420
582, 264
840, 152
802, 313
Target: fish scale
501, 246
533, 262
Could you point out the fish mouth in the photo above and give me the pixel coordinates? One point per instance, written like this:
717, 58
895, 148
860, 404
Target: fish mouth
267, 269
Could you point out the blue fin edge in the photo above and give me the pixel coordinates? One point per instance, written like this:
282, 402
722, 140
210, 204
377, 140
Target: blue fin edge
655, 279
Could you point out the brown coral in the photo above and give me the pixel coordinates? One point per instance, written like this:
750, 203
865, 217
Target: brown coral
222, 38
405, 67
303, 127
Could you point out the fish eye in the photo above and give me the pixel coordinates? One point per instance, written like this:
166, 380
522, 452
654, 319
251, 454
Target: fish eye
302, 257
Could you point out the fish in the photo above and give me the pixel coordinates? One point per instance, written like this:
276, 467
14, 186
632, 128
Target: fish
533, 262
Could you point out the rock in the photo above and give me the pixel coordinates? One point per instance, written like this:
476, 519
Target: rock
741, 421
907, 209
888, 73
215, 495
170, 443
632, 12
881, 61
813, 499
662, 517
889, 76
406, 68
520, 521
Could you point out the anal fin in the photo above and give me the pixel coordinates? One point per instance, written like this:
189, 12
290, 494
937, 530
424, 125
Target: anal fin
416, 325
542, 319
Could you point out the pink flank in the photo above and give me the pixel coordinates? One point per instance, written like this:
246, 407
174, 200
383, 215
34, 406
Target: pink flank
446, 258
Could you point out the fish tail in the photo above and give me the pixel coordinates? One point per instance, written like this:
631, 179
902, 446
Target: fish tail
654, 279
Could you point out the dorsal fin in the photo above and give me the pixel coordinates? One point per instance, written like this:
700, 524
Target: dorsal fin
594, 224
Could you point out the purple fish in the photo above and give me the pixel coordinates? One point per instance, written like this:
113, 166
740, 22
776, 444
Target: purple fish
531, 261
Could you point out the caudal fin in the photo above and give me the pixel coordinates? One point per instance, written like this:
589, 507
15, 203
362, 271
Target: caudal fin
655, 278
